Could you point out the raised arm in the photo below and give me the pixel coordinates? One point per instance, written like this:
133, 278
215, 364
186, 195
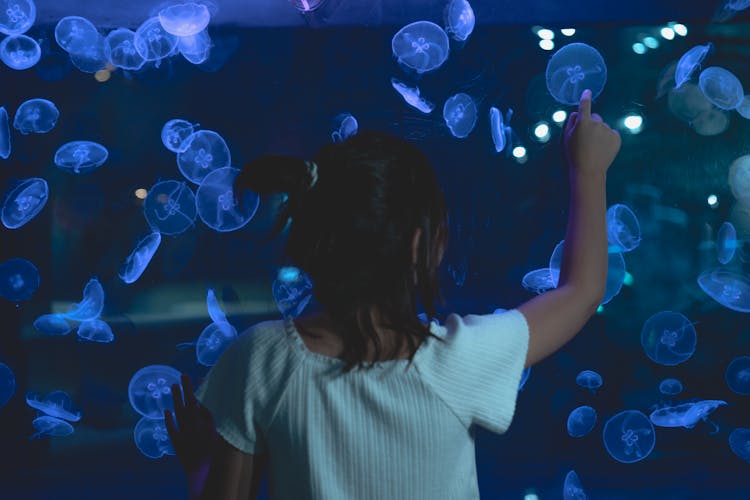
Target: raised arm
556, 316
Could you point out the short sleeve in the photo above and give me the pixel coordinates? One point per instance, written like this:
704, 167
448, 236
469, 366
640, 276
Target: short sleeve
477, 370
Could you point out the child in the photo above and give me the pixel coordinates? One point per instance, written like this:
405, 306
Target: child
369, 227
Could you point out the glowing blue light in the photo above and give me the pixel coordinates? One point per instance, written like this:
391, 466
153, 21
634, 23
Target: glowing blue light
668, 338
213, 340
623, 229
94, 57
422, 46
651, 42
739, 443
689, 62
150, 390
345, 126
670, 386
185, 19
4, 134
52, 324
639, 48
152, 439
589, 379
502, 134
459, 19
291, 293
615, 271
214, 309
195, 48
306, 5
730, 289
204, 152
20, 52
538, 281
559, 116
629, 436
174, 134
81, 157
138, 260
460, 115
16, 16
217, 206
95, 330
91, 305
726, 243
686, 414
541, 132
51, 426
19, 279
36, 115
721, 87
667, 33
152, 42
712, 200
121, 45
680, 29
526, 371
737, 375
412, 96
572, 488
55, 404
24, 202
75, 34
169, 207
581, 421
574, 68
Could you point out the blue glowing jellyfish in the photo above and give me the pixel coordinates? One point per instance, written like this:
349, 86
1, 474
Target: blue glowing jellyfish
121, 45
196, 49
20, 52
623, 229
75, 34
292, 291
217, 206
24, 202
686, 414
739, 443
460, 115
670, 386
52, 324
81, 157
345, 126
170, 208
204, 151
615, 271
726, 242
721, 87
668, 338
16, 16
581, 421
573, 69
139, 259
572, 487
730, 289
36, 115
184, 19
739, 179
150, 390
502, 134
94, 57
422, 46
7, 384
152, 42
95, 330
4, 134
91, 305
19, 279
459, 19
213, 340
589, 379
689, 62
738, 375
629, 436
51, 426
174, 134
538, 280
412, 96
214, 309
151, 438
55, 404
524, 377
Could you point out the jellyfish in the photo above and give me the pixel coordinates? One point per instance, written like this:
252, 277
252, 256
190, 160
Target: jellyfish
689, 62
174, 134
726, 242
292, 291
668, 338
55, 404
121, 46
152, 42
75, 34
184, 19
196, 48
214, 309
688, 103
92, 304
307, 5
739, 179
711, 122
615, 271
572, 488
581, 421
739, 443
139, 259
422, 46
538, 281
36, 115
7, 384
737, 375
686, 414
52, 324
4, 134
51, 426
589, 379
460, 115
16, 16
96, 330
459, 19
169, 207
629, 436
412, 97
502, 134
24, 202
152, 439
623, 229
204, 151
94, 57
574, 68
217, 206
730, 289
81, 157
670, 386
212, 341
524, 375
19, 279
20, 52
721, 87
345, 126
150, 390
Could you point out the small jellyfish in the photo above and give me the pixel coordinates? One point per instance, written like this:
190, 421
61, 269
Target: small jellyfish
121, 45
686, 414
459, 19
422, 46
623, 229
152, 42
75, 34
213, 340
20, 52
204, 151
16, 16
615, 271
629, 436
737, 375
214, 309
524, 374
581, 421
726, 242
196, 49
92, 304
36, 115
169, 207
96, 330
81, 157
7, 384
573, 69
721, 87
55, 404
150, 390
538, 281
668, 338
689, 62
739, 443
152, 439
94, 57
139, 259
572, 487
739, 179
589, 379
730, 289
412, 96
24, 202
51, 426
174, 134
670, 386
292, 291
216, 203
184, 19
502, 134
345, 126
460, 115
19, 279
52, 324
4, 134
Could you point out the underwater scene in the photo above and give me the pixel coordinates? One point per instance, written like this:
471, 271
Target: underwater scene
126, 258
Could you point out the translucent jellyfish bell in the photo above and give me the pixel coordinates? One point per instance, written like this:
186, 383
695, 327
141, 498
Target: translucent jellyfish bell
24, 202
581, 421
52, 324
96, 330
213, 340
4, 134
721, 87
689, 62
589, 379
739, 179
55, 404
19, 279
170, 208
422, 46
629, 436
75, 34
150, 390
737, 375
214, 309
460, 115
139, 259
7, 384
121, 45
345, 126
615, 271
20, 52
668, 338
573, 69
36, 115
196, 49
739, 443
51, 426
204, 151
726, 243
184, 19
81, 157
670, 386
686, 414
459, 19
412, 96
92, 304
292, 291
538, 280
174, 134
572, 487
152, 439
152, 42
216, 203
623, 229
711, 122
730, 289
502, 134
16, 16
94, 57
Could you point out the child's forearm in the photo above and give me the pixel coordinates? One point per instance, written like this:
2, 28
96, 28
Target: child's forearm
197, 481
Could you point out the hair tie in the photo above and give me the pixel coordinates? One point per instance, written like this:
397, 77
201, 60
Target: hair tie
312, 169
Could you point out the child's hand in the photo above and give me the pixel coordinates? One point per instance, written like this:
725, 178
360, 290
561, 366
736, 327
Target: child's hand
590, 144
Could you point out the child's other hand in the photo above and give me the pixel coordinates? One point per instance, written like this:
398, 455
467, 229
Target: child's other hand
590, 144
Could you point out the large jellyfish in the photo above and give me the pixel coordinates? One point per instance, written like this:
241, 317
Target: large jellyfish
668, 338
204, 151
52, 324
174, 134
20, 52
75, 34
150, 390
217, 206
629, 436
55, 404
581, 421
615, 271
345, 126
51, 426
16, 16
91, 305
19, 279
730, 289
184, 19
137, 261
623, 229
572, 487
589, 379
94, 57
81, 157
502, 134
7, 384
151, 438
460, 115
95, 330
152, 42
169, 207
721, 87
538, 280
422, 46
196, 49
292, 291
689, 62
36, 115
739, 443
4, 134
726, 243
737, 375
459, 19
686, 414
212, 342
24, 202
412, 96
121, 45
574, 68
670, 386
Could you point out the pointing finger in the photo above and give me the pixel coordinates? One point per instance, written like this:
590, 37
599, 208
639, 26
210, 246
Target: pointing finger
584, 107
